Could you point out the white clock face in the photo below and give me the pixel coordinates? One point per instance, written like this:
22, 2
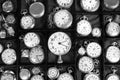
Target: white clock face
90, 5
86, 64
96, 32
9, 56
7, 76
113, 54
37, 9
63, 19
27, 22
36, 55
94, 49
65, 3
113, 77
53, 73
24, 74
31, 39
84, 28
1, 48
37, 77
92, 76
81, 51
59, 43
113, 29
65, 76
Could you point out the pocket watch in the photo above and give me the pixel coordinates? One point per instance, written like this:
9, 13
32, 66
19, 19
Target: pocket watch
113, 76
112, 28
90, 5
37, 9
94, 49
63, 19
113, 54
96, 32
10, 19
24, 74
36, 70
8, 75
1, 48
27, 21
111, 4
84, 27
9, 56
7, 6
53, 73
65, 76
59, 43
65, 3
81, 51
92, 76
31, 39
36, 55
85, 64
37, 77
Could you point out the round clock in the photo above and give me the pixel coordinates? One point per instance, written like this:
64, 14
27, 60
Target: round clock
1, 48
36, 70
37, 9
94, 49
91, 76
65, 3
65, 76
27, 22
53, 73
7, 6
81, 51
9, 56
113, 29
86, 64
59, 43
10, 19
90, 5
24, 74
63, 19
37, 77
113, 54
111, 4
31, 39
36, 55
96, 32
84, 27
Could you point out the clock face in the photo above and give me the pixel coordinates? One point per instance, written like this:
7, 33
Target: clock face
36, 55
7, 76
9, 56
31, 39
65, 3
86, 64
37, 77
37, 9
90, 5
53, 73
63, 19
94, 49
96, 32
113, 29
27, 22
113, 77
65, 76
59, 43
84, 28
113, 54
92, 76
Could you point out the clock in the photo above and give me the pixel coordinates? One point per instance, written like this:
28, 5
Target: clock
81, 51
27, 22
96, 32
94, 49
85, 64
65, 3
113, 54
31, 39
84, 27
59, 43
91, 76
63, 19
36, 55
37, 77
53, 73
37, 9
7, 6
65, 76
90, 5
9, 56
